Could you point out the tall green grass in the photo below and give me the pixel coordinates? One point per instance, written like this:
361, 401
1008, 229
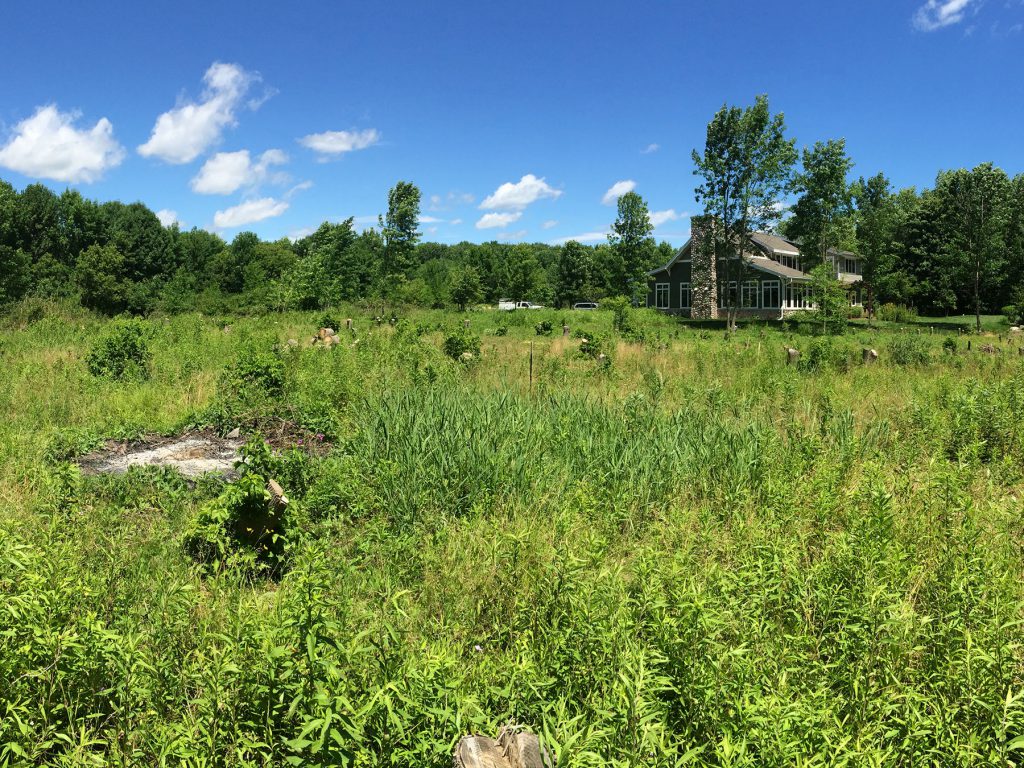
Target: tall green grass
693, 556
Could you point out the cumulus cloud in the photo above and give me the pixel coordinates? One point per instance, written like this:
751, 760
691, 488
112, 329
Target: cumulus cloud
493, 220
181, 134
430, 220
650, 148
249, 212
515, 197
549, 224
661, 217
227, 172
333, 143
168, 217
617, 190
936, 14
49, 146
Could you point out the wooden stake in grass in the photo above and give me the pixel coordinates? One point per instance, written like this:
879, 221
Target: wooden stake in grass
531, 366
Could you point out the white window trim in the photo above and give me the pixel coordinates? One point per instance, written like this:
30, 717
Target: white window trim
778, 292
668, 295
684, 290
745, 288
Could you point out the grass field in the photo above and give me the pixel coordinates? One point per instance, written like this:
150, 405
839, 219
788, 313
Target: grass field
684, 552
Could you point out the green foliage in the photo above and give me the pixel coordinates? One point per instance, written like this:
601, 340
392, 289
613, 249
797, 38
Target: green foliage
894, 313
949, 345
625, 319
123, 353
824, 354
460, 343
544, 328
910, 349
243, 528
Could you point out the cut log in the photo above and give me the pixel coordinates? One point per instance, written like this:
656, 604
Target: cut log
792, 356
277, 498
522, 749
479, 752
869, 356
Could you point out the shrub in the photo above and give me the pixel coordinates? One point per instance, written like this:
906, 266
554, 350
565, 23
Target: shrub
257, 371
328, 320
123, 353
543, 328
824, 354
894, 313
909, 350
624, 319
949, 345
1012, 313
502, 330
461, 342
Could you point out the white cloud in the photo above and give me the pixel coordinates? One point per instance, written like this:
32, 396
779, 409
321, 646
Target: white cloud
517, 235
549, 224
586, 237
181, 134
430, 220
300, 187
661, 217
452, 199
936, 14
340, 142
515, 197
48, 146
455, 222
226, 172
168, 217
298, 234
249, 212
493, 220
650, 148
617, 190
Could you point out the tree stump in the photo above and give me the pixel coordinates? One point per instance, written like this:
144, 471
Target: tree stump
869, 356
792, 356
348, 324
522, 749
278, 500
465, 324
479, 752
565, 331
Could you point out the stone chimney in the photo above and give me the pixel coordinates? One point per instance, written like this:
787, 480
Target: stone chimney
703, 269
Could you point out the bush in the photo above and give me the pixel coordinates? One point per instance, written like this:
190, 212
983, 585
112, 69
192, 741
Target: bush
949, 345
909, 350
1012, 313
123, 353
502, 330
461, 342
257, 371
544, 328
894, 313
824, 354
624, 319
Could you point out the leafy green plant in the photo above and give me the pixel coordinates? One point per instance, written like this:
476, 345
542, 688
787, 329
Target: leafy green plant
123, 353
909, 349
461, 343
543, 328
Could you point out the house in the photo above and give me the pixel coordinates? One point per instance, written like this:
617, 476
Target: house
771, 284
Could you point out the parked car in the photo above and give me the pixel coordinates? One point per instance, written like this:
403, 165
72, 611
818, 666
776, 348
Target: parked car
508, 306
585, 305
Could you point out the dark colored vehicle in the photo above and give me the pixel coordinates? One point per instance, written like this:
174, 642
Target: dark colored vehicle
585, 305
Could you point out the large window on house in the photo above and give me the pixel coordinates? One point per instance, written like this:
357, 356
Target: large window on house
852, 266
661, 295
799, 297
749, 295
684, 295
770, 294
793, 262
726, 294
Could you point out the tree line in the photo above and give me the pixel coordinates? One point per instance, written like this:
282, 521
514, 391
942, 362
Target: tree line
956, 247
117, 257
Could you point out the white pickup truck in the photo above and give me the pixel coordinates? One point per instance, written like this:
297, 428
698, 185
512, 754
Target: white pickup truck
508, 306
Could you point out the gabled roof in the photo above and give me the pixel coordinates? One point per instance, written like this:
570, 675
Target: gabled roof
775, 244
764, 264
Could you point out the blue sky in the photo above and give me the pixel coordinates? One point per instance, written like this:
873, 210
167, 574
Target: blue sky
518, 121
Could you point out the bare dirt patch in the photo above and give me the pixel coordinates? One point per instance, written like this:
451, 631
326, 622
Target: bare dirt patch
192, 454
